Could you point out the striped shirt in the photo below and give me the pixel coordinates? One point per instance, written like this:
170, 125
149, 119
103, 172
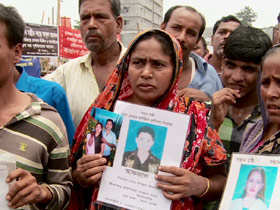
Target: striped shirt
38, 139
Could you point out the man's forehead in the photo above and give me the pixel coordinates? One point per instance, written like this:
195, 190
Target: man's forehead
182, 14
95, 6
229, 25
242, 63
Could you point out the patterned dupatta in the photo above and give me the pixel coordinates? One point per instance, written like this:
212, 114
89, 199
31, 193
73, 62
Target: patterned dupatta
119, 88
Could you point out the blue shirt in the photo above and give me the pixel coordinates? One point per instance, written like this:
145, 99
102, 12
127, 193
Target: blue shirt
110, 138
206, 78
50, 92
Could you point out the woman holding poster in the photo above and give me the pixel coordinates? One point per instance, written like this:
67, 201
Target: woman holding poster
253, 197
264, 136
148, 75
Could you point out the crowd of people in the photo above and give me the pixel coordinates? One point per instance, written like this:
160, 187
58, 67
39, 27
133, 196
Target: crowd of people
232, 97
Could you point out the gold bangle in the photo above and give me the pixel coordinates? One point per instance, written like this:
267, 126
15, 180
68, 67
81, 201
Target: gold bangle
207, 189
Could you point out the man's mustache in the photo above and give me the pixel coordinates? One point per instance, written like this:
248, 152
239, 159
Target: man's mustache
93, 33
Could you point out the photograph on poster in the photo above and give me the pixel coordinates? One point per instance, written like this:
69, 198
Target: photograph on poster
254, 187
144, 146
102, 133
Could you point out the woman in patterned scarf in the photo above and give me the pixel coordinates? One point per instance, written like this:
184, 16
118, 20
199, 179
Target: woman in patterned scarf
264, 136
148, 75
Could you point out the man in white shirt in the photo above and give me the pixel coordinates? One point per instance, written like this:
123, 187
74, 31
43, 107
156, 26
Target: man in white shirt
84, 77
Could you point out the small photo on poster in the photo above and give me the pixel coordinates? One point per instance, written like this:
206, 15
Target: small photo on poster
102, 133
254, 187
144, 146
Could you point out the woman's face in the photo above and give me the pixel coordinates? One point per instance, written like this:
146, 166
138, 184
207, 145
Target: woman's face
270, 86
254, 184
98, 128
150, 72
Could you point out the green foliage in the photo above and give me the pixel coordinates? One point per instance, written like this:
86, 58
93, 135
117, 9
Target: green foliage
77, 24
247, 15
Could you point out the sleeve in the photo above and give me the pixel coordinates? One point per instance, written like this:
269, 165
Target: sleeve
57, 76
114, 139
63, 108
213, 151
58, 174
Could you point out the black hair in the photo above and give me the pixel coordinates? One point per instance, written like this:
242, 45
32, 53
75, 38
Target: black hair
115, 7
278, 18
14, 24
247, 44
171, 10
110, 120
147, 129
204, 44
225, 19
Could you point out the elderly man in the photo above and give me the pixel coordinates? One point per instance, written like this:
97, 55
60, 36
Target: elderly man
198, 79
84, 77
31, 130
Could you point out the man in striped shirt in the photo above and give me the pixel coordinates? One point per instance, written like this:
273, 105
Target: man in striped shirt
30, 130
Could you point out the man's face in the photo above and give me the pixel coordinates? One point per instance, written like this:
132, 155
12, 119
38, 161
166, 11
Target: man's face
8, 56
109, 125
199, 49
144, 141
184, 25
99, 27
240, 76
222, 33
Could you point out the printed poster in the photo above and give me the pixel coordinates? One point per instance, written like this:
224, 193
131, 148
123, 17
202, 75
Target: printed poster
130, 183
253, 183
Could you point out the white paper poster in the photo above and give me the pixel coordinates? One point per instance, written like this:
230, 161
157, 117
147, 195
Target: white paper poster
130, 183
253, 183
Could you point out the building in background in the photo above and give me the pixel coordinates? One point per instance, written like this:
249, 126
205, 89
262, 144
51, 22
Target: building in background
138, 16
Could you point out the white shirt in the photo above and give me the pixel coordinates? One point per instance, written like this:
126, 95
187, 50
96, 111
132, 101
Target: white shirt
79, 82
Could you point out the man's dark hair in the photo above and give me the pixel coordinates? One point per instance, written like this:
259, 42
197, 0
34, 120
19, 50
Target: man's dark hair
204, 44
115, 7
146, 129
278, 18
14, 24
110, 120
247, 44
225, 19
171, 10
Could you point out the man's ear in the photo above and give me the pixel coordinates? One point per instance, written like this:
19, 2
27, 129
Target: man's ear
198, 40
119, 21
212, 40
17, 53
162, 26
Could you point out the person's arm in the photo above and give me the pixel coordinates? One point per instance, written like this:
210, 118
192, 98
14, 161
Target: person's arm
63, 108
183, 183
26, 190
57, 75
194, 93
102, 148
221, 101
113, 140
